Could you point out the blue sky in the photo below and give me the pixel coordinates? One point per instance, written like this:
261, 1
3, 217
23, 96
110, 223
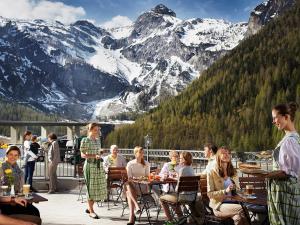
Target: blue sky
104, 10
124, 11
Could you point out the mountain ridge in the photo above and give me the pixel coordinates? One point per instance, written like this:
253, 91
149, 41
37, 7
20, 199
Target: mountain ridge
82, 71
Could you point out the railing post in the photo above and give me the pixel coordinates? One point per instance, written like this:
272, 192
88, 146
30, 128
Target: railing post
46, 166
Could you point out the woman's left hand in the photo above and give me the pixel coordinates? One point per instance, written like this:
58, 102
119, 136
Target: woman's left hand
21, 201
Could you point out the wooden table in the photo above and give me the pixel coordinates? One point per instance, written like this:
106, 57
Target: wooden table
36, 199
145, 196
261, 200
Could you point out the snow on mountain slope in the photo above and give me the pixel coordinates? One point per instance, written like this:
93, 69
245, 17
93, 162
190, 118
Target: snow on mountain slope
121, 32
223, 35
108, 71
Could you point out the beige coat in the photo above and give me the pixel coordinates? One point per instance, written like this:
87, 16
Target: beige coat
216, 189
54, 153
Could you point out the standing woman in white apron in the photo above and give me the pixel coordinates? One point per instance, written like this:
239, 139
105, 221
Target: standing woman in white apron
283, 182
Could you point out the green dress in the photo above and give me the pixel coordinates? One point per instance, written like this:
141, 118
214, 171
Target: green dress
93, 170
283, 194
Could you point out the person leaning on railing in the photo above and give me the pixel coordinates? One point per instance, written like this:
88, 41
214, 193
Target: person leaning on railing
19, 219
221, 180
136, 168
283, 184
93, 169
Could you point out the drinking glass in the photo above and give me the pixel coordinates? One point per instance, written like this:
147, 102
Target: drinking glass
26, 190
249, 189
4, 189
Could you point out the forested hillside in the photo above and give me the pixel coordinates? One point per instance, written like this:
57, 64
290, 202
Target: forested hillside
230, 104
17, 112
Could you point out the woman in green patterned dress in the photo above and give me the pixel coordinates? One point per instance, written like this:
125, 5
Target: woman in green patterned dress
283, 183
93, 168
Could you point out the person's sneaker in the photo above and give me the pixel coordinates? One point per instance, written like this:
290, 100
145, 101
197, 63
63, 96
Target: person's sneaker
51, 192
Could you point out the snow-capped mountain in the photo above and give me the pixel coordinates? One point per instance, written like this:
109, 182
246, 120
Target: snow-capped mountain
82, 70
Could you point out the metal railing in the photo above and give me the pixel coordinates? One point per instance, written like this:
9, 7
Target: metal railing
157, 157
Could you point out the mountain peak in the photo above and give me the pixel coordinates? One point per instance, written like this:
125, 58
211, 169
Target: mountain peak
164, 10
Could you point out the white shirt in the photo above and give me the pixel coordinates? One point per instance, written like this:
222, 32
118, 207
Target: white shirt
166, 170
210, 165
289, 155
28, 152
118, 162
135, 169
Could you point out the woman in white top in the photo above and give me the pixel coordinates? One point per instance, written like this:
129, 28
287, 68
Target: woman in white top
169, 169
283, 183
186, 169
30, 158
135, 168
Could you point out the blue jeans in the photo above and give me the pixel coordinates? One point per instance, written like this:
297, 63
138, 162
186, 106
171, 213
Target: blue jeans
29, 169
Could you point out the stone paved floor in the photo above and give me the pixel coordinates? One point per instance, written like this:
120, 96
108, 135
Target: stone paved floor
64, 209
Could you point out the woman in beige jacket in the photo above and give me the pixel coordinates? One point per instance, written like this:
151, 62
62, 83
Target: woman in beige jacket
221, 181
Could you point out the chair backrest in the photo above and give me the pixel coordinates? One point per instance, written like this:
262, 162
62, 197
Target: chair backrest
79, 169
203, 189
116, 173
153, 169
188, 184
259, 183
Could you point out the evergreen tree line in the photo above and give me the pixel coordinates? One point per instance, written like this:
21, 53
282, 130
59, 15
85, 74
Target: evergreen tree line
230, 103
10, 111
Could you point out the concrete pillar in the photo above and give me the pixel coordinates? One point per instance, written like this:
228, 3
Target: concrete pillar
70, 133
77, 131
13, 135
21, 133
44, 132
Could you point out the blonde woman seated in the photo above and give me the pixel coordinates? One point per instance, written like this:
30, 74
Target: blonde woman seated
221, 180
135, 168
186, 169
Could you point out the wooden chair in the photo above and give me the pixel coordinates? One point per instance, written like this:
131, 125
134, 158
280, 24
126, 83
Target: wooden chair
259, 184
186, 195
153, 169
81, 181
259, 187
116, 177
210, 217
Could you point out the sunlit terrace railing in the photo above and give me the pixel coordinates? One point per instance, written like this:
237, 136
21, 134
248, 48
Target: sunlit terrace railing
157, 157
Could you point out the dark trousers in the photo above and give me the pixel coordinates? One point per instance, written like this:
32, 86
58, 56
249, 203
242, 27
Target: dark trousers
29, 169
18, 209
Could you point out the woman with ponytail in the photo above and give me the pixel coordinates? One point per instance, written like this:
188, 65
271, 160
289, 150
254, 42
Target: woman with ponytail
283, 182
135, 169
93, 169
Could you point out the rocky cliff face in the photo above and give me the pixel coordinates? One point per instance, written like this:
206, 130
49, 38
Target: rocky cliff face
43, 65
265, 12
